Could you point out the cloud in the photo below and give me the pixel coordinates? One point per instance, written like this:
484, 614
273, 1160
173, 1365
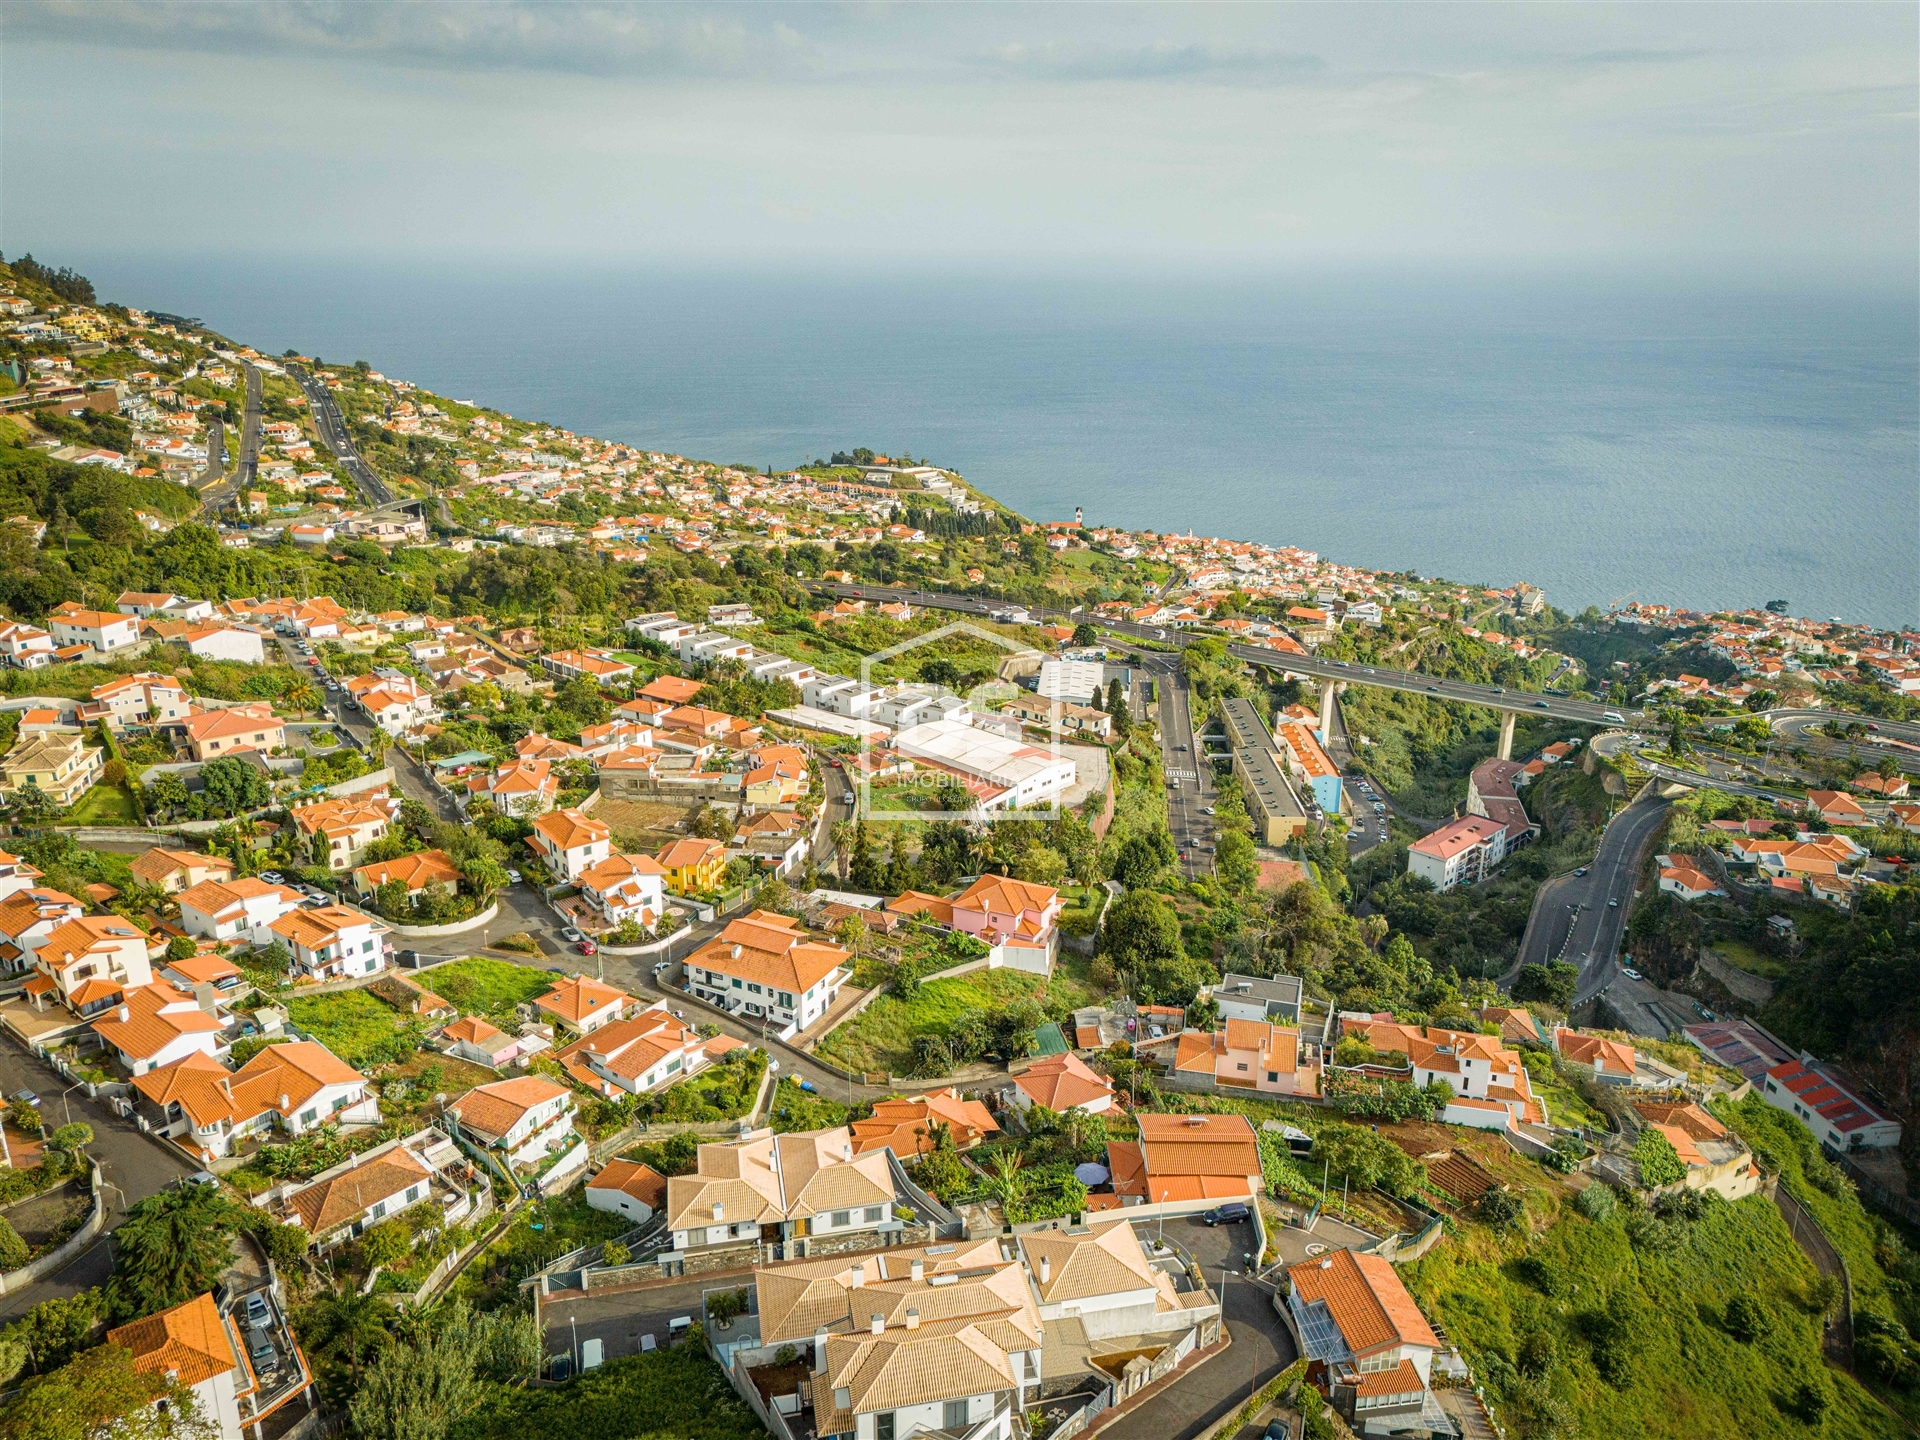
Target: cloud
485, 35
1163, 60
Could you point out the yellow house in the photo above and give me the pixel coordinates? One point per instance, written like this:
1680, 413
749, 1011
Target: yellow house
61, 766
693, 866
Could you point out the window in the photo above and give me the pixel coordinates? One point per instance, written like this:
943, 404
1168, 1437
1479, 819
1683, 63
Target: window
736, 984
840, 1219
307, 1117
413, 1193
753, 989
1241, 1066
883, 1425
1273, 1077
956, 1414
379, 1209
872, 1215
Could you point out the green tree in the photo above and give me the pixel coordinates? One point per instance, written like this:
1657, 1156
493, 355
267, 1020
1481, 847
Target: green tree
56, 1330
84, 1398
1660, 1164
387, 1243
1746, 1319
233, 786
170, 1248
73, 1136
350, 1328
167, 792
13, 1250
182, 947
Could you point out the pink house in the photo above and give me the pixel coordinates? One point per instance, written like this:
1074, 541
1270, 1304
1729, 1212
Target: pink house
1014, 917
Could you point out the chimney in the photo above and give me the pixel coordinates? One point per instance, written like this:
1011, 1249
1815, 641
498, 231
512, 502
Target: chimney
286, 1104
918, 1270
1327, 1264
913, 1319
1046, 1269
718, 1211
879, 1323
858, 1275
126, 1013
846, 1151
736, 952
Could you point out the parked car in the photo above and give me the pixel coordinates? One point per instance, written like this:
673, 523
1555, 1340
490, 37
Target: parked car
1232, 1213
513, 877
257, 1310
587, 947
202, 1177
272, 877
24, 1096
409, 958
1630, 972
1581, 871
569, 933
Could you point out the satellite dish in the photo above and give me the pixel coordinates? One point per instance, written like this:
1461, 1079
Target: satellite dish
1091, 1173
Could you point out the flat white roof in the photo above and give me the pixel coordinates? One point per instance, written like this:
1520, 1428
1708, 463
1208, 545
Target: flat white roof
982, 753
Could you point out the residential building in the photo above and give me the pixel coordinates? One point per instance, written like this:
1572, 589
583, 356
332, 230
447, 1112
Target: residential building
1187, 1162
420, 872
24, 646
471, 1038
212, 642
87, 962
1611, 1061
626, 887
15, 875
776, 840
154, 1025
1490, 1084
1310, 765
526, 1118
333, 942
570, 843
522, 787
599, 664
969, 1372
1683, 878
200, 1348
60, 767
338, 831
1830, 1105
1069, 718
1101, 1281
291, 1087
347, 1201
394, 701
1714, 1156
804, 1188
27, 917
144, 605
1836, 807
244, 909
1016, 919
643, 1053
101, 632
628, 1187
1493, 793
213, 733
583, 1005
1062, 1083
141, 699
763, 966
906, 1124
1247, 1054
692, 866
1461, 852
1253, 997
1350, 1313
1272, 803
173, 871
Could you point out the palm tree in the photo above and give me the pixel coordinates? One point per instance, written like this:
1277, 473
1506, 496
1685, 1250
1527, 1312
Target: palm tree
1007, 1183
302, 696
349, 1327
841, 833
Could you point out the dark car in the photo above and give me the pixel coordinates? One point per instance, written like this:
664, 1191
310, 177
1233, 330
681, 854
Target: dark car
1539, 704
1231, 1213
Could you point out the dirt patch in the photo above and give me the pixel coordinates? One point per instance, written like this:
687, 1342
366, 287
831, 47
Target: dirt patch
644, 825
43, 1219
1484, 1148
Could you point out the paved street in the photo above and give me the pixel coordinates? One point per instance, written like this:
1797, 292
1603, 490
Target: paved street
136, 1165
332, 428
618, 1321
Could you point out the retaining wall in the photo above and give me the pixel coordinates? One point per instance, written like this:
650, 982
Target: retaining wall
54, 1259
458, 927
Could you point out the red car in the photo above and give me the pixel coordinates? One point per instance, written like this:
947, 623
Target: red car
587, 947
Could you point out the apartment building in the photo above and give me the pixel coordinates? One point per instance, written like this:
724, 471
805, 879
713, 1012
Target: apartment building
1830, 1105
86, 962
570, 843
1271, 801
1461, 852
99, 631
142, 699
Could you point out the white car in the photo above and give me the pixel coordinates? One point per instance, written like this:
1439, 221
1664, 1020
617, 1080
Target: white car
1630, 972
513, 877
572, 934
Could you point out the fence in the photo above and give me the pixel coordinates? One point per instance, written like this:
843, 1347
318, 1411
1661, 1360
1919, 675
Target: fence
1813, 1241
56, 1258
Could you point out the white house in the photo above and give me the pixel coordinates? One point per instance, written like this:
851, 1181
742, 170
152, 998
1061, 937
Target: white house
629, 1188
626, 887
156, 1025
333, 942
236, 909
571, 843
526, 1118
292, 1087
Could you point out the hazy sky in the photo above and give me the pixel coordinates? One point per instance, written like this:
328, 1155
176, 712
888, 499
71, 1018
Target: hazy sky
1756, 136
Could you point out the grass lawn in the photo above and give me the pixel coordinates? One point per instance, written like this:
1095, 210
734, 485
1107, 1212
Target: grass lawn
480, 986
541, 1232
880, 1038
104, 805
1738, 952
355, 1026
1671, 1370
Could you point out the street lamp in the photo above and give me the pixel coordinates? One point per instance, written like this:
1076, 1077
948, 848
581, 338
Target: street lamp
576, 1343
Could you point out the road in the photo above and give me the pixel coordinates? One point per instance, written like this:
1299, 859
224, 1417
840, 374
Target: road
214, 496
216, 455
1190, 791
1559, 707
135, 1165
1582, 918
333, 433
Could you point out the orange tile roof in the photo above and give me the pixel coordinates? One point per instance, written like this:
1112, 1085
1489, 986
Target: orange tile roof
671, 689
472, 1029
680, 854
575, 997
569, 829
768, 950
631, 1177
1366, 1300
156, 1015
904, 1124
1061, 1082
415, 871
1005, 895
496, 1108
190, 1342
345, 1198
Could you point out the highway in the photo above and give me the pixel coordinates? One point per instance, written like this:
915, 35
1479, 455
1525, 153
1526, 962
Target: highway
219, 492
1558, 707
1190, 789
332, 429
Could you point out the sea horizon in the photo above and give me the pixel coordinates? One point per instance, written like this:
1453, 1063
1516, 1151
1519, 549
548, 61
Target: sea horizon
1606, 437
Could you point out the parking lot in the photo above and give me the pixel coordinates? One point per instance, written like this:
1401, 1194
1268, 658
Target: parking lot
619, 1321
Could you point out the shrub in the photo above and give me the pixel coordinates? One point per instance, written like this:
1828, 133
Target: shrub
1746, 1319
1660, 1164
24, 1117
1537, 1353
614, 1254
1595, 1202
1498, 1208
13, 1250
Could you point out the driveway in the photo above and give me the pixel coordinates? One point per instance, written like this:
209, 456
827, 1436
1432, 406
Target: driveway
619, 1320
134, 1165
1261, 1347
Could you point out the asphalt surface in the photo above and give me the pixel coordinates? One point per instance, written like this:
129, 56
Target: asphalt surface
618, 1321
1582, 919
217, 494
134, 1165
1190, 791
333, 434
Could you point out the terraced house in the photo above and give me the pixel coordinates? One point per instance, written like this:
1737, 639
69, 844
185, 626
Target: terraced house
208, 1109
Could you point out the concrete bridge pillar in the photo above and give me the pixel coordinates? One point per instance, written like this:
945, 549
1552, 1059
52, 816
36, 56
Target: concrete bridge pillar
1326, 712
1506, 734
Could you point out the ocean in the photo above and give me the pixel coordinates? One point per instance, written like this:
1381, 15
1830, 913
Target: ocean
1700, 444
